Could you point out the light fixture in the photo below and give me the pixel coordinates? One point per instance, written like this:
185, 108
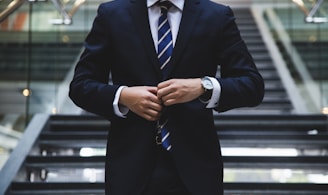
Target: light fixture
54, 110
324, 110
299, 2
26, 92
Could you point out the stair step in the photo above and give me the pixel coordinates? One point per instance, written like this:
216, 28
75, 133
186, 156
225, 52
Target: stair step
240, 188
304, 162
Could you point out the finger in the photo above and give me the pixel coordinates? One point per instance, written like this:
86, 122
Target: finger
152, 115
155, 100
169, 101
152, 90
157, 106
168, 93
163, 90
148, 117
152, 96
164, 84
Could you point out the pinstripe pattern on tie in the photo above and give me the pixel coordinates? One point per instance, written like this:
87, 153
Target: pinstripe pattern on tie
165, 43
165, 49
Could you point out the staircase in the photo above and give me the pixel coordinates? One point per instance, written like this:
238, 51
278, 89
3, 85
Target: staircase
315, 57
67, 155
49, 61
64, 154
49, 64
276, 100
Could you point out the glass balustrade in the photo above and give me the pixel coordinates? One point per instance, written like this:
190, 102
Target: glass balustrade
41, 40
300, 31
39, 44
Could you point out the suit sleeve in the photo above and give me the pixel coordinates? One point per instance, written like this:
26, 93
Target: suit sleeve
89, 88
241, 83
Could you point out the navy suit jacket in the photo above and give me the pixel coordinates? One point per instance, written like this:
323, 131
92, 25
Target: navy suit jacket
120, 46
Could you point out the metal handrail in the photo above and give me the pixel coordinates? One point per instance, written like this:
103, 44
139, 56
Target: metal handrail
309, 14
12, 7
67, 15
17, 157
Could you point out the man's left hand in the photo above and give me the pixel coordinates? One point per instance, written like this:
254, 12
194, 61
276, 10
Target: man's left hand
176, 91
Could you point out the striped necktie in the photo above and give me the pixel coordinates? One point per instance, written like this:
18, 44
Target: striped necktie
165, 49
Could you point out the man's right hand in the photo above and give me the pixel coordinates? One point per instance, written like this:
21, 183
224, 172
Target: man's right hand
143, 101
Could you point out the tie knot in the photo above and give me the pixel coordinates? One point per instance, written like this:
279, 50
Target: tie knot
165, 5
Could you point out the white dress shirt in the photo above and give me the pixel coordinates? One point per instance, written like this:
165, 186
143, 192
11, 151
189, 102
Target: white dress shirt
174, 17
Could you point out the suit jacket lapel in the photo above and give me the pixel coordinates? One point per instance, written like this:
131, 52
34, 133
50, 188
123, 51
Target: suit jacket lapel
139, 14
191, 13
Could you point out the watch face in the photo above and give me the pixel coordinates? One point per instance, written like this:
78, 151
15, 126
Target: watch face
207, 84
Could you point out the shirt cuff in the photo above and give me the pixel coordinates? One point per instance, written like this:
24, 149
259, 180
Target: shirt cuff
214, 101
119, 109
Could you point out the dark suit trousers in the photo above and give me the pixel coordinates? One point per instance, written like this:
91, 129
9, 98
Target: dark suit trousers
165, 179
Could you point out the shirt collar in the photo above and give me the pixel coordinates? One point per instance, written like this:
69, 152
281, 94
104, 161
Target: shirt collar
177, 3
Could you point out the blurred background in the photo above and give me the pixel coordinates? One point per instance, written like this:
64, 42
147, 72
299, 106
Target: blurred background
281, 144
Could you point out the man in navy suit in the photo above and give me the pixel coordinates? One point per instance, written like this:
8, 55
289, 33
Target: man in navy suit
122, 47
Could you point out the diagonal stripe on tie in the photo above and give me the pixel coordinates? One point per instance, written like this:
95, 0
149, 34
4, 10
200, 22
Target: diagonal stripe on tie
165, 138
